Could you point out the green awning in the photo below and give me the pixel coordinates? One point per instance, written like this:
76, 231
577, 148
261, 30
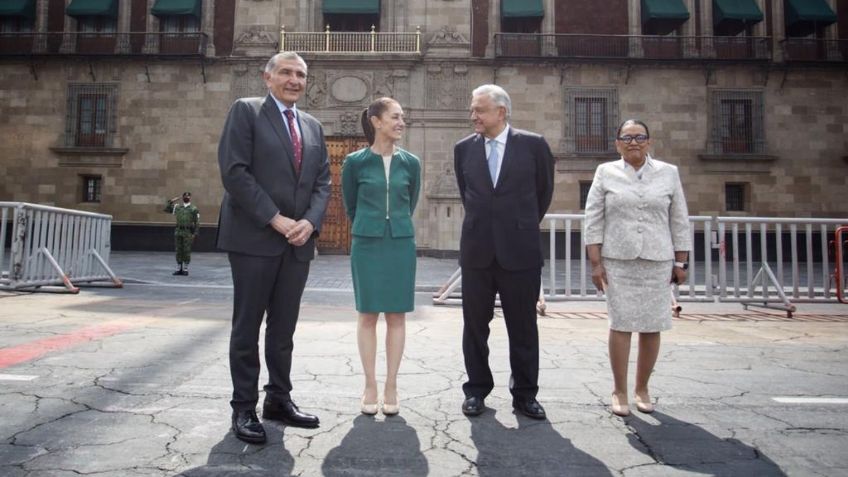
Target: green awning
164, 8
809, 11
736, 10
17, 8
522, 9
364, 7
664, 10
93, 8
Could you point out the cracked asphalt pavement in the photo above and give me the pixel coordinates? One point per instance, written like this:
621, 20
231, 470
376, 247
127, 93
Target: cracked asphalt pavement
135, 382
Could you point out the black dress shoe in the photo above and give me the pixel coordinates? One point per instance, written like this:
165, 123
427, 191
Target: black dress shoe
246, 426
288, 413
473, 406
530, 407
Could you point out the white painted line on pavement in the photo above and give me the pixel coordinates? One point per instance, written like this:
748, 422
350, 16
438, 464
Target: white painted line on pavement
17, 377
810, 400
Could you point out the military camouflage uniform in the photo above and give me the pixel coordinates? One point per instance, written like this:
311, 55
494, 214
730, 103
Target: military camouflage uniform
187, 218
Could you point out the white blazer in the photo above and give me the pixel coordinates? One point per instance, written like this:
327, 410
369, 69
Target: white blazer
637, 218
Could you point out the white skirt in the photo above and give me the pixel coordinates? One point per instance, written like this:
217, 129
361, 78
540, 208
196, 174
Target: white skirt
638, 294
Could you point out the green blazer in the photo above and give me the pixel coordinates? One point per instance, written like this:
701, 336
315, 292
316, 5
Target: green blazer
371, 203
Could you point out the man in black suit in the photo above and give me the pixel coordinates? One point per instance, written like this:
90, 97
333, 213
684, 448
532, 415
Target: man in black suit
506, 181
276, 174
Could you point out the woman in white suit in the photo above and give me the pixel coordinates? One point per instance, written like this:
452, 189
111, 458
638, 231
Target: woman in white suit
638, 241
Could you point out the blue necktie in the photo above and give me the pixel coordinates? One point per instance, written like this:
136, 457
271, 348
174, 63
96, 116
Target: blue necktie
493, 159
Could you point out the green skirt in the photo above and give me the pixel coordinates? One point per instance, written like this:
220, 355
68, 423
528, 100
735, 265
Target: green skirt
383, 270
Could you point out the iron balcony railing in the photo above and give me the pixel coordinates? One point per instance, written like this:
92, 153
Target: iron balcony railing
646, 47
351, 42
814, 50
104, 44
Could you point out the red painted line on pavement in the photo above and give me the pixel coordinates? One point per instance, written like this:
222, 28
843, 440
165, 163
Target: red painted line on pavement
35, 349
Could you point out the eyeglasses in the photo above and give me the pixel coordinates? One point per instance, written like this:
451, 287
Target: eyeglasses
639, 138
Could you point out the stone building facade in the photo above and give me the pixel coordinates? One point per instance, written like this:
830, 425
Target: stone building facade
117, 111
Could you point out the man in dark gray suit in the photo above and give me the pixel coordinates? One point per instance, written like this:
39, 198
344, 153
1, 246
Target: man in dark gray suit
506, 182
276, 174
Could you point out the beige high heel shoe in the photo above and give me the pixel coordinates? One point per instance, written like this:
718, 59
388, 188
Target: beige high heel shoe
391, 409
643, 403
618, 408
369, 409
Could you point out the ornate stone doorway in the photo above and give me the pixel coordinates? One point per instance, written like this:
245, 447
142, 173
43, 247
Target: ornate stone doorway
335, 231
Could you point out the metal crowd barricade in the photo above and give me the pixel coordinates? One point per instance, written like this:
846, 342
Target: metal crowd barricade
789, 265
51, 246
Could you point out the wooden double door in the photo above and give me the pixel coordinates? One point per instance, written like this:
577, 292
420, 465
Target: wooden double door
335, 230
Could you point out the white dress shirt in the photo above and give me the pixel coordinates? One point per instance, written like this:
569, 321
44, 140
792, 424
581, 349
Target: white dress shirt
500, 141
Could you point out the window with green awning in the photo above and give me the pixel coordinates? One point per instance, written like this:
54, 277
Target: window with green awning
731, 17
17, 8
522, 9
164, 8
803, 17
356, 7
661, 17
93, 8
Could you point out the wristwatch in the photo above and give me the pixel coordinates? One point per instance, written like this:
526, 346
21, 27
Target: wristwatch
683, 265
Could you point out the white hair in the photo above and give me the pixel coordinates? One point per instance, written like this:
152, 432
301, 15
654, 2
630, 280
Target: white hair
497, 94
283, 55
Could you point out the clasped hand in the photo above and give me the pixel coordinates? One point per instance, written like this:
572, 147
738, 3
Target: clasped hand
296, 232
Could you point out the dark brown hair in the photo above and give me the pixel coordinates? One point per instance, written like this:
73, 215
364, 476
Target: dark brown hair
376, 108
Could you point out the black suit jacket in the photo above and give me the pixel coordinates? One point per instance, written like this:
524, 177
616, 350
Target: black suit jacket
256, 160
502, 220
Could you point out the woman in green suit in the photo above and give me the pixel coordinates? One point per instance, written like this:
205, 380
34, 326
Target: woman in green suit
380, 186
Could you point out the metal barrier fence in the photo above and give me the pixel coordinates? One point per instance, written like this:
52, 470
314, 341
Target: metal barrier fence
755, 261
51, 246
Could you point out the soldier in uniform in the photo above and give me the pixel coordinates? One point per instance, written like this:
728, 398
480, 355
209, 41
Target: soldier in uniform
188, 221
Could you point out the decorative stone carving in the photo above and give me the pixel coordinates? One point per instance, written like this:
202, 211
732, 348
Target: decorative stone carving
256, 40
349, 89
444, 187
448, 36
447, 87
316, 90
247, 82
256, 35
349, 124
384, 85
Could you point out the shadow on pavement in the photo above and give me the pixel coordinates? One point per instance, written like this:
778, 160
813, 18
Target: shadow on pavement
234, 457
535, 448
685, 446
372, 447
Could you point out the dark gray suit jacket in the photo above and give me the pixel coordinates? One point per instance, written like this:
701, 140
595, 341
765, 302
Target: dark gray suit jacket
502, 220
256, 160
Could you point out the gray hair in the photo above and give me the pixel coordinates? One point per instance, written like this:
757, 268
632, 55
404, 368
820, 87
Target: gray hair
283, 55
498, 95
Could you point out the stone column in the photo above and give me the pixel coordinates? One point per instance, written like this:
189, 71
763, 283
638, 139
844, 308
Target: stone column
634, 27
122, 43
759, 31
494, 26
207, 25
707, 32
831, 35
778, 28
151, 41
39, 44
689, 29
69, 43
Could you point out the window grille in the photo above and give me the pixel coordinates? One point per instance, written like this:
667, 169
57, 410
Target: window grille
90, 119
584, 193
737, 122
734, 197
591, 120
91, 188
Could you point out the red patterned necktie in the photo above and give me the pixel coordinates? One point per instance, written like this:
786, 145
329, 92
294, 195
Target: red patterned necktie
295, 139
